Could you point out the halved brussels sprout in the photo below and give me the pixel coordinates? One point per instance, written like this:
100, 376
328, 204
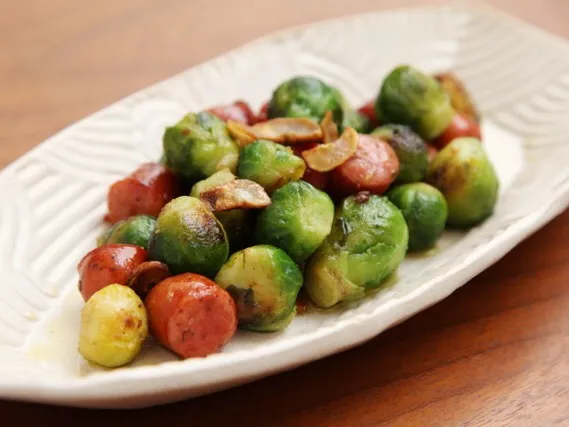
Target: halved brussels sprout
466, 177
305, 96
368, 242
189, 238
409, 97
264, 282
298, 220
410, 149
425, 211
198, 146
237, 223
136, 230
113, 326
269, 164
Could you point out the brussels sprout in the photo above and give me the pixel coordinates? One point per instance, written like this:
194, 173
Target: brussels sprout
305, 96
368, 242
351, 117
298, 220
199, 145
410, 149
425, 211
264, 282
269, 164
355, 120
409, 97
237, 223
466, 177
189, 238
136, 230
113, 326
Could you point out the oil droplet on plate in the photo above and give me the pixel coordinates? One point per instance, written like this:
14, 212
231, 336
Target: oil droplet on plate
31, 316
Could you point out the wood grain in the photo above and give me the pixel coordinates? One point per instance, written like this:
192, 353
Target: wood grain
494, 353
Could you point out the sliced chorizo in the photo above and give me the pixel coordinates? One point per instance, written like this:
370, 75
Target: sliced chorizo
144, 192
191, 315
106, 265
372, 168
239, 111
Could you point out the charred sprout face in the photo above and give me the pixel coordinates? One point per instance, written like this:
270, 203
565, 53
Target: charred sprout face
410, 149
368, 242
298, 220
264, 282
460, 98
198, 146
136, 230
466, 177
237, 222
409, 97
425, 211
305, 96
113, 326
189, 238
269, 164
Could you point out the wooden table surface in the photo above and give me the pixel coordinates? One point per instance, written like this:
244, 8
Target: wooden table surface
494, 353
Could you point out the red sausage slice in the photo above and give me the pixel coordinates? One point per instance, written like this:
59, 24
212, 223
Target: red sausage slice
368, 110
191, 315
317, 179
372, 168
144, 192
459, 126
239, 111
107, 265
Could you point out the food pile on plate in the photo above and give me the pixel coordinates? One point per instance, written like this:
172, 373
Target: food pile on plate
250, 219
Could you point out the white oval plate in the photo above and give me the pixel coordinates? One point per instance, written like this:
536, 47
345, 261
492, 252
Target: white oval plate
52, 200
